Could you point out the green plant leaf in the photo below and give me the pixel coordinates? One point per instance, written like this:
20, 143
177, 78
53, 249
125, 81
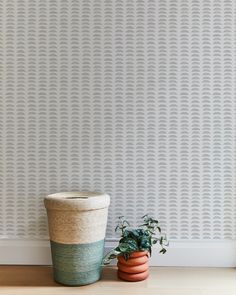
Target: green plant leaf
128, 245
161, 240
126, 256
110, 255
154, 241
163, 251
137, 239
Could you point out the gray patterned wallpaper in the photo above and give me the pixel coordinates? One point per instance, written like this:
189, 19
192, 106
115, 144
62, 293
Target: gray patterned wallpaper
135, 98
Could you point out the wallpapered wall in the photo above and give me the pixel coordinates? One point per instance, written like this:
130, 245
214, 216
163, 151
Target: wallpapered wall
135, 98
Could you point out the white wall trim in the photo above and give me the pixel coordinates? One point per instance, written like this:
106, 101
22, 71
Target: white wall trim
180, 253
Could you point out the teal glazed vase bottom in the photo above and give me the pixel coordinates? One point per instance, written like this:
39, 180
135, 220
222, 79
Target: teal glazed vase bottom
77, 264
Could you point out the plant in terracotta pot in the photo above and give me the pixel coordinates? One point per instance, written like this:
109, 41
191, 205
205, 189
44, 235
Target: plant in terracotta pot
135, 248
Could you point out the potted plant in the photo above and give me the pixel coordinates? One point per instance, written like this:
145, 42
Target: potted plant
135, 248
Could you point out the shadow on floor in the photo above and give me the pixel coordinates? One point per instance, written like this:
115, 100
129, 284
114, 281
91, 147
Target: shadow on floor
24, 276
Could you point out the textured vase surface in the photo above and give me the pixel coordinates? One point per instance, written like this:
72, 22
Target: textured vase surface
77, 225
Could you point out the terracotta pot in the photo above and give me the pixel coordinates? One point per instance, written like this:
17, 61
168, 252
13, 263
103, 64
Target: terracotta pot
135, 277
135, 268
133, 261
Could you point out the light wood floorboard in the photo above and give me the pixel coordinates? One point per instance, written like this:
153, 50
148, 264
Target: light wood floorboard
37, 280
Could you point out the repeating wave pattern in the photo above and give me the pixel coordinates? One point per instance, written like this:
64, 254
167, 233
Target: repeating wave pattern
132, 97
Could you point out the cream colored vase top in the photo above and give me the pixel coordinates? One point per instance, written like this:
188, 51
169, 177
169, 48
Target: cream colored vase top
77, 217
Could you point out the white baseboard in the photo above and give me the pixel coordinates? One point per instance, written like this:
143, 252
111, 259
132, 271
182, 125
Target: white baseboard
180, 253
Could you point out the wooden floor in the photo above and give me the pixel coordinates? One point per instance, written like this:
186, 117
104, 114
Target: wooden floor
37, 280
